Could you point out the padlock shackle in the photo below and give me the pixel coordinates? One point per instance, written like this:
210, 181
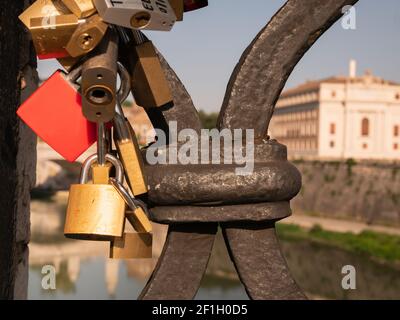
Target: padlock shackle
125, 87
87, 165
101, 144
131, 201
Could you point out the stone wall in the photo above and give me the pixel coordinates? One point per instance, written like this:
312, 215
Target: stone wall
365, 191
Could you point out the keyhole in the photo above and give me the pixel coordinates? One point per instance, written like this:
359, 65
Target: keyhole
99, 96
140, 20
86, 41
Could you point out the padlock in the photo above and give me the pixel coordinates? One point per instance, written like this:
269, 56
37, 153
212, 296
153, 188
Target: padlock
87, 36
150, 87
137, 14
132, 246
101, 173
178, 7
95, 211
129, 153
80, 8
137, 213
45, 9
51, 25
99, 80
101, 169
69, 63
54, 113
190, 5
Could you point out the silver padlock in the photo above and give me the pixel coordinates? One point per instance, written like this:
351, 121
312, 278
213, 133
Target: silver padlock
137, 14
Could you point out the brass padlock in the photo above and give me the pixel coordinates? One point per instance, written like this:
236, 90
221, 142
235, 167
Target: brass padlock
45, 9
80, 8
129, 153
68, 63
132, 245
136, 209
95, 211
99, 80
150, 87
51, 25
101, 173
178, 7
87, 36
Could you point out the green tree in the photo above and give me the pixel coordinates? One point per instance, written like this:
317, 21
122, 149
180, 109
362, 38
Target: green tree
208, 120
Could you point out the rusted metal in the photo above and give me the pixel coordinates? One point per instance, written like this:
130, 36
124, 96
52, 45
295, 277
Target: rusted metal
256, 254
182, 263
273, 179
246, 209
263, 211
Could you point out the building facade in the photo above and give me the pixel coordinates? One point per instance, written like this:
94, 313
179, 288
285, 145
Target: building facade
340, 118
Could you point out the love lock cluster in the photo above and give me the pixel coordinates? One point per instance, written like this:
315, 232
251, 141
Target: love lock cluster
97, 41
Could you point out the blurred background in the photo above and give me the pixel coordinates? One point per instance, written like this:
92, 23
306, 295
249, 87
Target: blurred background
339, 115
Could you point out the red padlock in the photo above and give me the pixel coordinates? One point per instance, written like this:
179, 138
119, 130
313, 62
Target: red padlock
54, 113
190, 5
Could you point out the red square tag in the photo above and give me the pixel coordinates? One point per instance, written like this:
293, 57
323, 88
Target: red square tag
54, 113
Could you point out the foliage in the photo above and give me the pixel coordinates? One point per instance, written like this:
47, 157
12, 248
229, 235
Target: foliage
373, 244
208, 120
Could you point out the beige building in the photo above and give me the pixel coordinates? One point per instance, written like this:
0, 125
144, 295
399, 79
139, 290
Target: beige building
340, 118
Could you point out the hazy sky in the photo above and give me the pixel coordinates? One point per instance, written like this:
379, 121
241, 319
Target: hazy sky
205, 47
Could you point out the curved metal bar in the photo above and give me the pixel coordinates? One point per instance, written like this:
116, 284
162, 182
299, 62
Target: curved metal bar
183, 110
255, 244
182, 263
266, 64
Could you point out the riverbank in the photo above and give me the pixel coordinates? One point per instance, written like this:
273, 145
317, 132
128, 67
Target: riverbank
381, 246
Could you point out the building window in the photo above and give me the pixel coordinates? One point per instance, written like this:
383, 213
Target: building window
398, 96
332, 144
332, 128
333, 94
365, 146
365, 127
396, 131
395, 146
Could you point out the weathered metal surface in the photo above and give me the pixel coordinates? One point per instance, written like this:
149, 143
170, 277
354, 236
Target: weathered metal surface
183, 112
251, 95
18, 79
182, 263
273, 178
225, 213
219, 184
266, 64
255, 251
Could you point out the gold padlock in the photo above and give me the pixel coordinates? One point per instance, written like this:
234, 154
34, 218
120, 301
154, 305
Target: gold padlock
68, 63
132, 246
45, 9
101, 173
178, 7
87, 36
95, 211
129, 153
80, 8
135, 214
138, 219
51, 25
99, 80
150, 87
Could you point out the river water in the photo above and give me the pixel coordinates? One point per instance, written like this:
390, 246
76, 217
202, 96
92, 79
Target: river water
84, 272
